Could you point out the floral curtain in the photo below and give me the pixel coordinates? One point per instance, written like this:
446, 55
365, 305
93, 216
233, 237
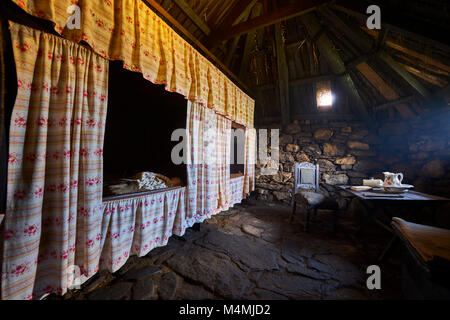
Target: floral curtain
54, 210
128, 30
208, 146
249, 161
137, 225
236, 189
223, 146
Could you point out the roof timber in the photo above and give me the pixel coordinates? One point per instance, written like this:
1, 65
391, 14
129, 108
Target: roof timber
426, 59
362, 18
249, 45
333, 59
365, 44
234, 42
281, 14
283, 75
236, 14
197, 43
193, 16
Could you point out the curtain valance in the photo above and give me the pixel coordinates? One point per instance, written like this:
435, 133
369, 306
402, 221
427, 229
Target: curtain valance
128, 30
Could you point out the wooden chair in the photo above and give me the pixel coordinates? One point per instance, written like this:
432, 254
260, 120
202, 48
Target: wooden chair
306, 191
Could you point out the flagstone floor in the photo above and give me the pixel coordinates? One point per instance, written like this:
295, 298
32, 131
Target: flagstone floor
252, 251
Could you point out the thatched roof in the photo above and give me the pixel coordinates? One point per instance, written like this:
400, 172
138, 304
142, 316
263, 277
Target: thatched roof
277, 50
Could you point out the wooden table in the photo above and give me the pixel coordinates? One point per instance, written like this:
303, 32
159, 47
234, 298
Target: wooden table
386, 199
405, 196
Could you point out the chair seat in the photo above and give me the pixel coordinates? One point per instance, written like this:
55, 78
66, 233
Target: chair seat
312, 198
428, 242
315, 199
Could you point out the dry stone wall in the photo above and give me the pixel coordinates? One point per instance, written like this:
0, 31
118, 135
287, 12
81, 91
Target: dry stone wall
350, 151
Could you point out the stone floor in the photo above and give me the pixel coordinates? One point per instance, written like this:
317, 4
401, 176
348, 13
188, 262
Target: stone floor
253, 252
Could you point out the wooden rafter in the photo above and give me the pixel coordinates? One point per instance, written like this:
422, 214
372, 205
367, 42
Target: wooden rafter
236, 14
387, 92
330, 54
362, 18
193, 16
395, 103
249, 45
365, 44
198, 44
281, 14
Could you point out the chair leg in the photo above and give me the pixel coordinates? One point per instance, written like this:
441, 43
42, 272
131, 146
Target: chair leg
335, 220
308, 214
314, 215
294, 206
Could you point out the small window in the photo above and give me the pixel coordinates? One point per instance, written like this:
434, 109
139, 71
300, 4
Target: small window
324, 95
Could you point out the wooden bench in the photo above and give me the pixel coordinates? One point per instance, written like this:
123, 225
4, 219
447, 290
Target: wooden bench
426, 262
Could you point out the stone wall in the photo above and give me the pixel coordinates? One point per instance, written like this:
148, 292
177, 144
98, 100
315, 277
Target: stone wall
350, 151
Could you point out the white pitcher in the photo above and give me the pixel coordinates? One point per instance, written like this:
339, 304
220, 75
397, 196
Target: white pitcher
393, 179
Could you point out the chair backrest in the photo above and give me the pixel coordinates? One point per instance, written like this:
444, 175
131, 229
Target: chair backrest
306, 176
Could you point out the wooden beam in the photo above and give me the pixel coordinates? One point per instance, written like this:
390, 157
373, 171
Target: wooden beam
235, 41
314, 116
193, 16
308, 80
171, 20
283, 76
285, 13
413, 82
397, 102
382, 87
362, 18
302, 81
365, 44
363, 58
330, 54
237, 13
249, 45
425, 76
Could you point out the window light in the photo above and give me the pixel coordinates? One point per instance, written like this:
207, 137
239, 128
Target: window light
324, 95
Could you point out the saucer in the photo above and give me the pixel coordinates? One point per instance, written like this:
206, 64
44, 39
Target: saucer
399, 189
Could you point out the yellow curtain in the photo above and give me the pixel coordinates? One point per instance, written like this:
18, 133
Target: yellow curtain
55, 166
128, 30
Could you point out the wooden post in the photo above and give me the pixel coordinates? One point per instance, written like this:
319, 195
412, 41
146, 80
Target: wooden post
249, 45
283, 75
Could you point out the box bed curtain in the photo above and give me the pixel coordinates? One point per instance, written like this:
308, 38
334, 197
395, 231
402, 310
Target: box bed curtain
55, 217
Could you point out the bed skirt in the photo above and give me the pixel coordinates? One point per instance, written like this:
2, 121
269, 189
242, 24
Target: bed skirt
138, 224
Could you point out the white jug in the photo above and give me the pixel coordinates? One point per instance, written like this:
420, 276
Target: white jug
393, 179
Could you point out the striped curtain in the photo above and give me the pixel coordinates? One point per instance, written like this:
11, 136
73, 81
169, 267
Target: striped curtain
249, 161
208, 169
223, 145
137, 225
130, 31
54, 201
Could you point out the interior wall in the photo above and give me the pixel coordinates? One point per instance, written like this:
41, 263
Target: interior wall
350, 151
140, 121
